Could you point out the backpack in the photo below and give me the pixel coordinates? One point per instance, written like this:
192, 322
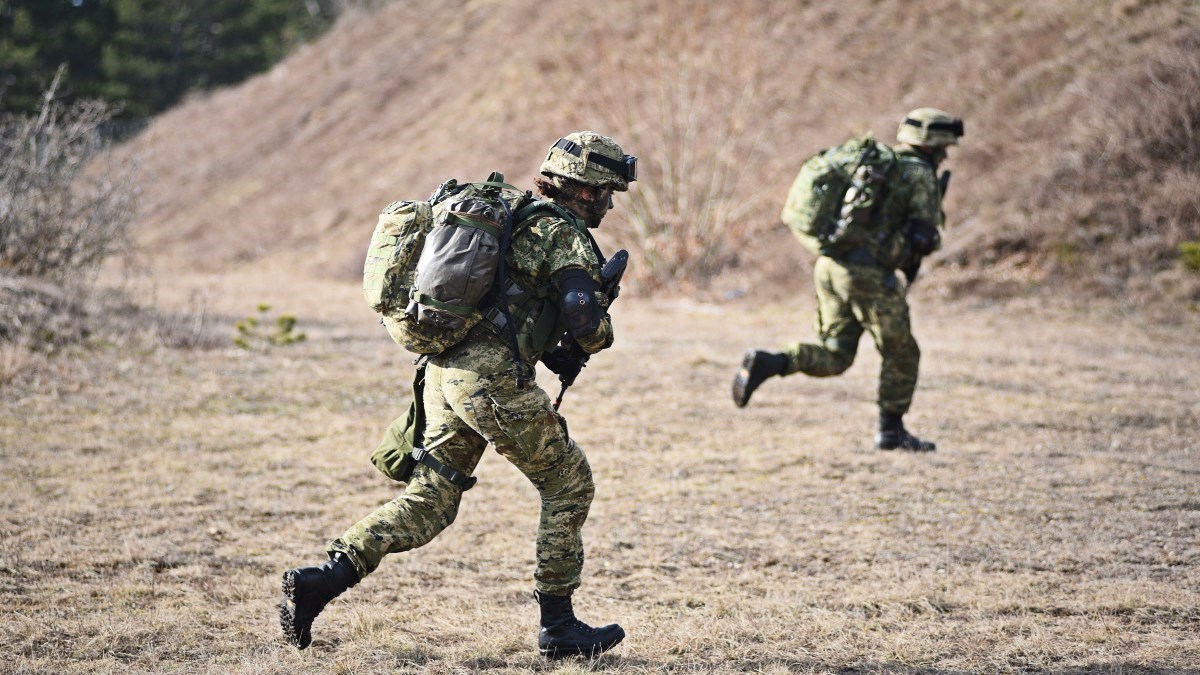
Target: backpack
432, 264
832, 202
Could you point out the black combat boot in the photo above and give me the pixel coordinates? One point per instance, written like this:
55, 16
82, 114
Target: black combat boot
564, 635
893, 436
306, 591
756, 367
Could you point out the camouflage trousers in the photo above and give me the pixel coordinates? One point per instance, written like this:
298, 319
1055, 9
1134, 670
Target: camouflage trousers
468, 404
851, 299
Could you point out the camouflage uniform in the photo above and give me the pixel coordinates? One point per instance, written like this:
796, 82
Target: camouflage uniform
853, 296
471, 399
866, 210
478, 391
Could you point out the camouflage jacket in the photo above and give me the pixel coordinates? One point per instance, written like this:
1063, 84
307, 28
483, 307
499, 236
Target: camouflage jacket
912, 194
543, 247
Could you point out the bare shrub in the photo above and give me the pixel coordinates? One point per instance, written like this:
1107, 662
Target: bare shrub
1122, 202
65, 205
35, 312
188, 329
692, 119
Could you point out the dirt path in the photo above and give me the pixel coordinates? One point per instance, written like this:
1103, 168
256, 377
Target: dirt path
151, 501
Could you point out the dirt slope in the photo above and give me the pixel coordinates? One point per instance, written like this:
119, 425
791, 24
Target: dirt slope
1078, 167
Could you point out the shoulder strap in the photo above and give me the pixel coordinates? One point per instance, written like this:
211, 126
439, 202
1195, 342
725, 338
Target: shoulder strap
502, 282
526, 212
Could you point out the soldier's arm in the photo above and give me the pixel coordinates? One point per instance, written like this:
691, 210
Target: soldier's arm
575, 273
924, 209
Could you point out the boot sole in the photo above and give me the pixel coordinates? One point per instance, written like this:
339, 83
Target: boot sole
901, 448
287, 612
740, 396
554, 653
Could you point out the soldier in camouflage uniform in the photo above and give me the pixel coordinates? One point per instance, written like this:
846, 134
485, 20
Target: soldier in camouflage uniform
476, 394
858, 290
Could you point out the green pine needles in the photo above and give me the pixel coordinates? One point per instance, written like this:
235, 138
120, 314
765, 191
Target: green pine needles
1189, 252
259, 332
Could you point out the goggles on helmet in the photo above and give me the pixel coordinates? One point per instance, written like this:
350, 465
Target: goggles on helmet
954, 126
626, 167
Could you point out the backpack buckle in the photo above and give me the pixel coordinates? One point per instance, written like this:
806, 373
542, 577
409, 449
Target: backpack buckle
496, 317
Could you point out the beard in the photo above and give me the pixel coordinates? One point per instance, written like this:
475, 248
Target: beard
568, 193
594, 211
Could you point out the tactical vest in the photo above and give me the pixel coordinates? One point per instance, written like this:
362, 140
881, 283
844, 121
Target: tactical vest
536, 310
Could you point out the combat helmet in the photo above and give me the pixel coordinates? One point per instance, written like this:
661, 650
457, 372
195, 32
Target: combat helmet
591, 159
930, 127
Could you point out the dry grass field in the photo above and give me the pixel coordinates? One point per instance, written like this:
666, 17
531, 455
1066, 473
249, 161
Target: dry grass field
152, 495
151, 500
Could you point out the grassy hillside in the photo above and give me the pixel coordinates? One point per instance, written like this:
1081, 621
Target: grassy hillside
1077, 171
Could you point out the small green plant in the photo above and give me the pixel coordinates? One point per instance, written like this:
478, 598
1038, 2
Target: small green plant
1066, 253
253, 334
1189, 251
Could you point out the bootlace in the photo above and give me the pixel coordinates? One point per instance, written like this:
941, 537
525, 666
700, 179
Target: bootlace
576, 623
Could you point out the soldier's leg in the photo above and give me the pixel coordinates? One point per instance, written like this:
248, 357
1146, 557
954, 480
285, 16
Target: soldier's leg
430, 502
428, 505
883, 310
885, 315
528, 432
837, 326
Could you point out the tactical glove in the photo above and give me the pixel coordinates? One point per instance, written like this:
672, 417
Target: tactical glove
559, 360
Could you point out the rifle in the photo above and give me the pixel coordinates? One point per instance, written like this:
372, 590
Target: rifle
569, 367
944, 183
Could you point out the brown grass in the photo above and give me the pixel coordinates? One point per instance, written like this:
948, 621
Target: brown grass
153, 495
153, 498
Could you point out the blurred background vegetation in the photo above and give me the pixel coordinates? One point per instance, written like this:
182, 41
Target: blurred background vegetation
145, 54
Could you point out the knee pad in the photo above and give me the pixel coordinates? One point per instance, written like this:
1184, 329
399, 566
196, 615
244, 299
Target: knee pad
578, 303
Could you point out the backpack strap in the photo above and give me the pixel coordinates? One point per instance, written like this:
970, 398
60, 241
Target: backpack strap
508, 293
524, 213
561, 211
502, 283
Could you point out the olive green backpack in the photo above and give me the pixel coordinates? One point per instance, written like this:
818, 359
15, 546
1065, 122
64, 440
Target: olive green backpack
430, 264
834, 197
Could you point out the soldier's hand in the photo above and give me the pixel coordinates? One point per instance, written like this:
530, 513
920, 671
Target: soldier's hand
911, 270
611, 291
559, 360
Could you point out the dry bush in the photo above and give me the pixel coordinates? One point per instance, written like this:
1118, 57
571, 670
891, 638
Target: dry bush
64, 207
695, 118
1129, 194
40, 319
